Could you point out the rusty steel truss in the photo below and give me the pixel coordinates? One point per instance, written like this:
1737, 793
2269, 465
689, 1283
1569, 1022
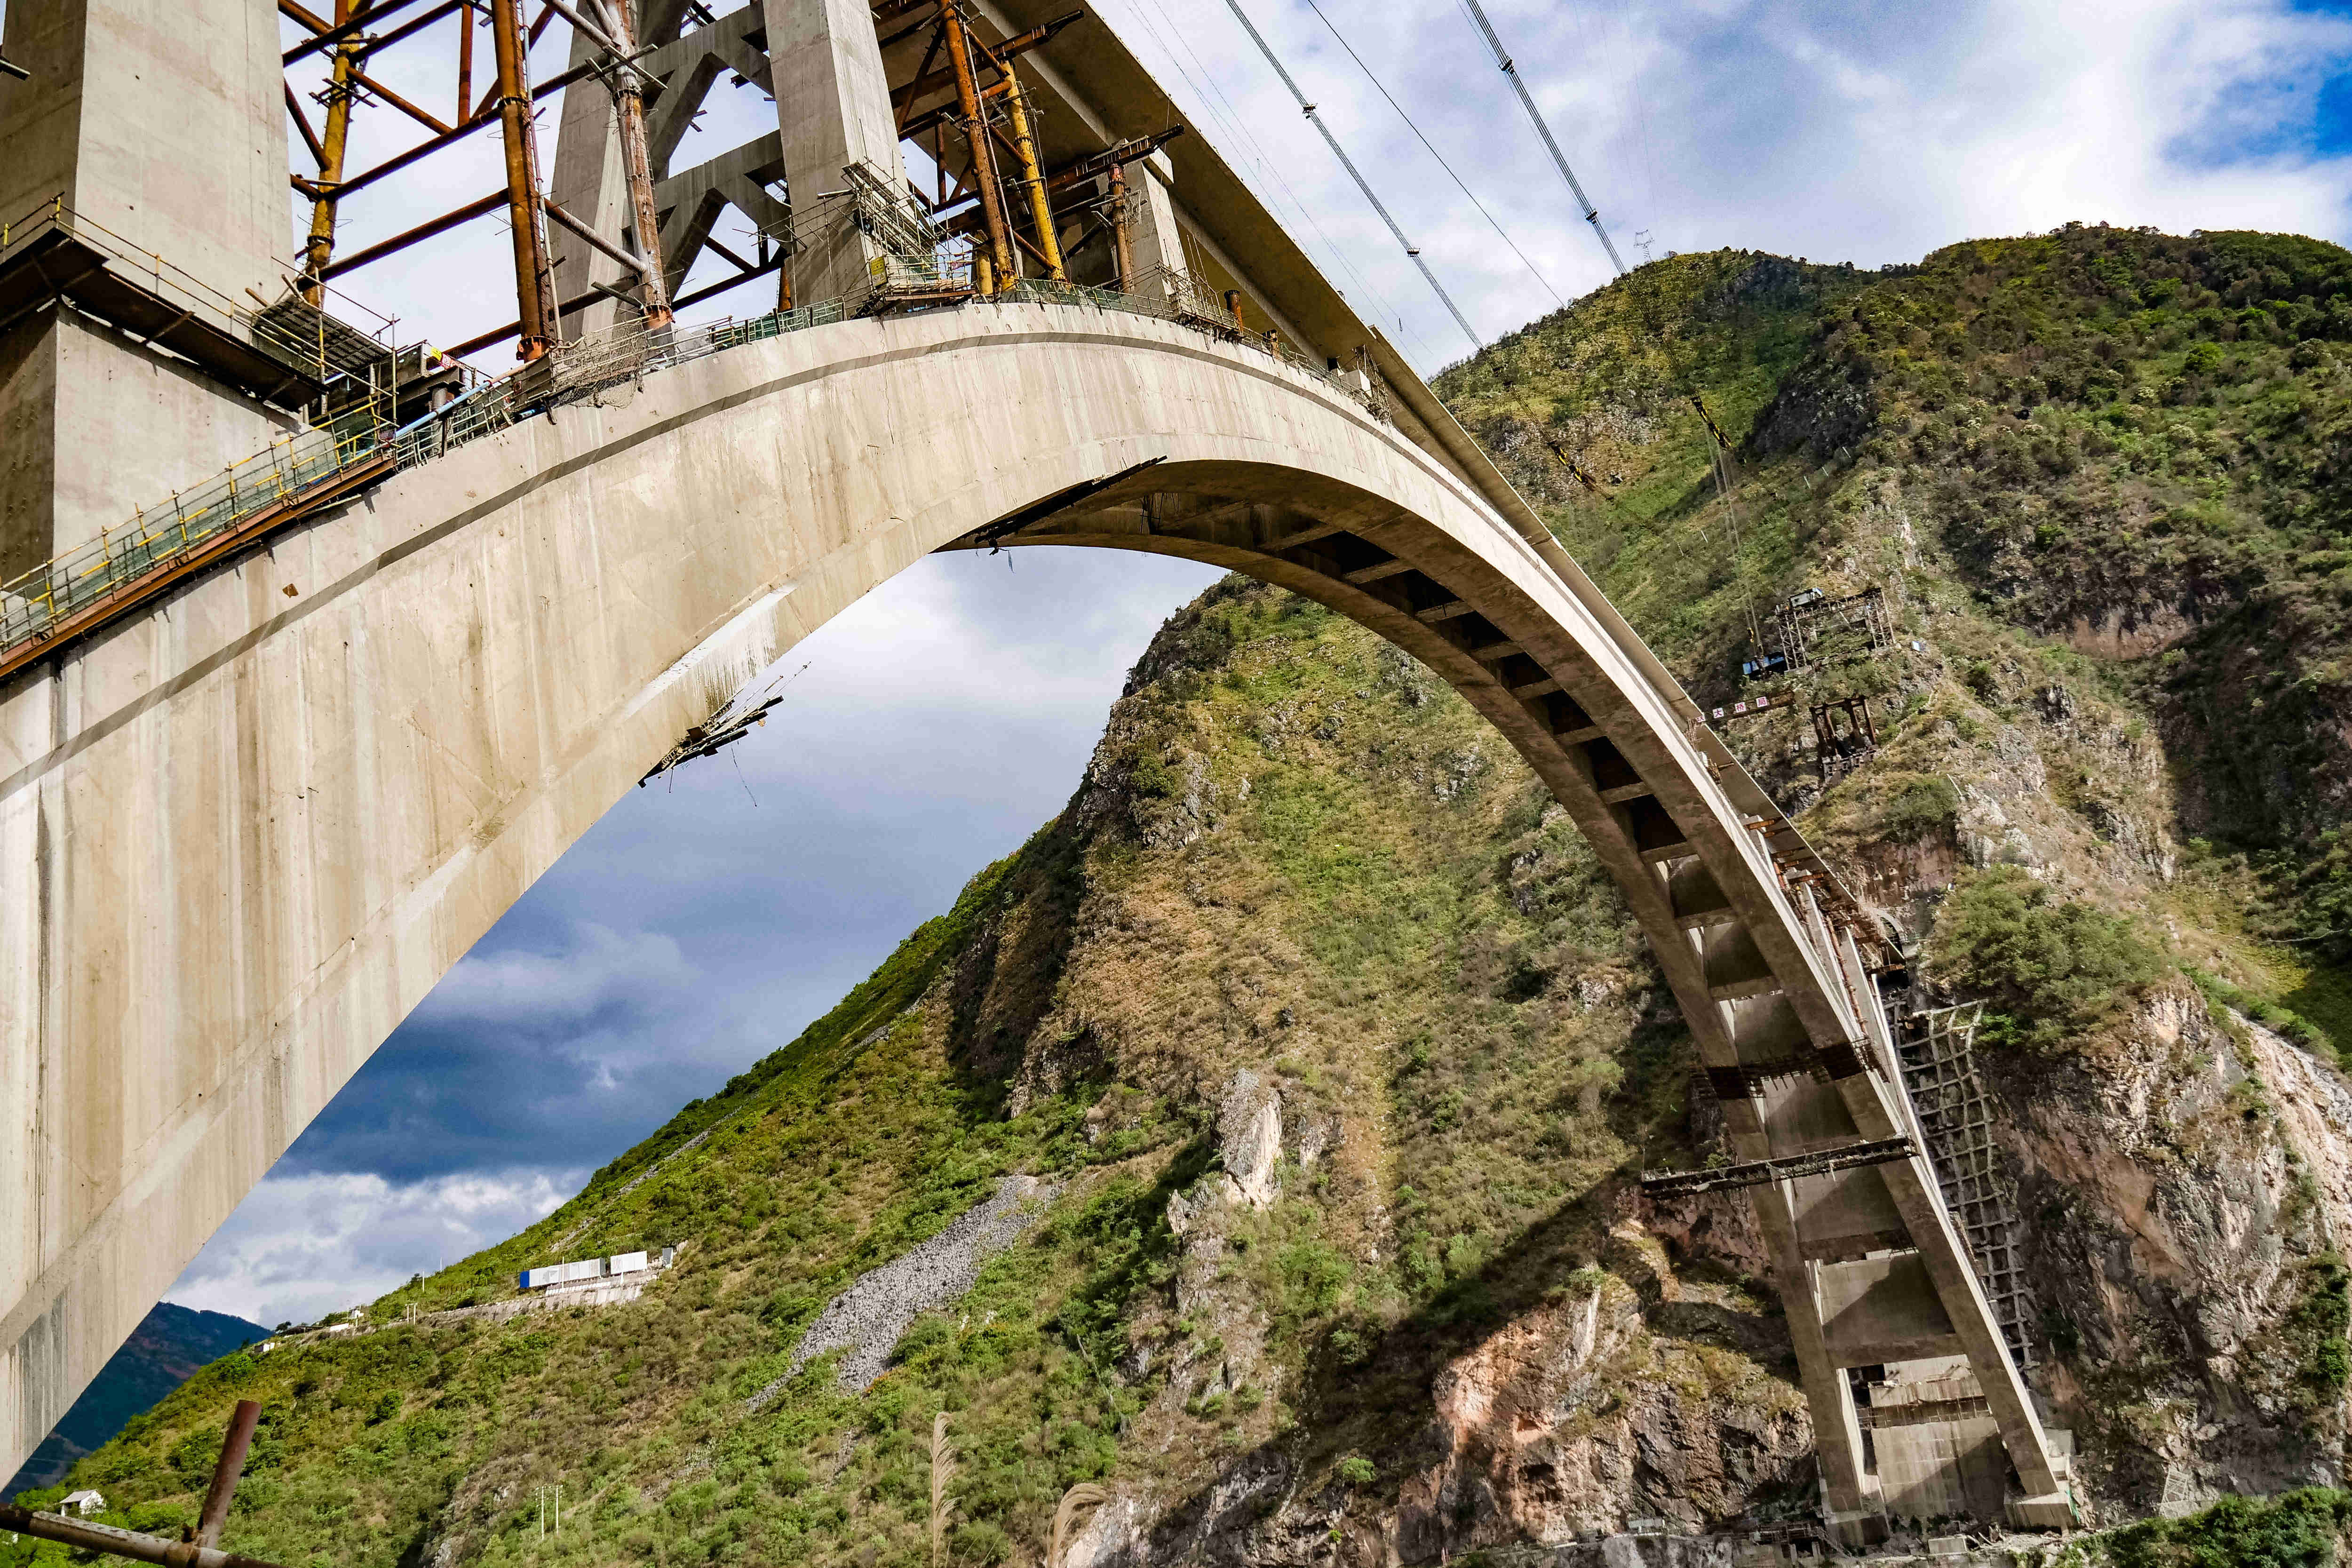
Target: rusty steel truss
1000, 210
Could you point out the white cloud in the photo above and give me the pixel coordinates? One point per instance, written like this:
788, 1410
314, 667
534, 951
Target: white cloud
301, 1247
1870, 133
599, 968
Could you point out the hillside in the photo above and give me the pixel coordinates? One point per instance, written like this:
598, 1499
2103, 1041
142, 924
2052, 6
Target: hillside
166, 1348
1325, 1054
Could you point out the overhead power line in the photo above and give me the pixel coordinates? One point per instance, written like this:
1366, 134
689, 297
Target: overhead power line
1502, 58
1268, 169
1355, 173
1433, 153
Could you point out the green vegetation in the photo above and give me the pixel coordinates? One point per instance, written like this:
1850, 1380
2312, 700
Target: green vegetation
2099, 475
2314, 1331
2299, 1530
2048, 970
1426, 921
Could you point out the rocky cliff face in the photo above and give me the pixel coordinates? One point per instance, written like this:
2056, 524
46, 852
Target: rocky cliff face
1327, 1057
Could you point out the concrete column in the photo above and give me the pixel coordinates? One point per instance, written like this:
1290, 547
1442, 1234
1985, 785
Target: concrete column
1155, 239
165, 125
1837, 1431
588, 182
832, 110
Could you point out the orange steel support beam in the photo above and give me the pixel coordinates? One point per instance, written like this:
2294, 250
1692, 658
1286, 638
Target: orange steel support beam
534, 290
320, 248
465, 62
1033, 178
425, 230
927, 81
983, 161
302, 123
325, 37
487, 114
637, 167
1122, 248
430, 121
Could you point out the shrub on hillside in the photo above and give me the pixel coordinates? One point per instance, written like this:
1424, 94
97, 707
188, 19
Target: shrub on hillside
2046, 969
2299, 1530
1921, 807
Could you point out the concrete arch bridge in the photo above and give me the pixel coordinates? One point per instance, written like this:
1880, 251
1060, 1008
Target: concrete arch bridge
250, 828
249, 818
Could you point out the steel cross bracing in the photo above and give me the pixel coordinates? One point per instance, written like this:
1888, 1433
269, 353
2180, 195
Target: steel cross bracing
1013, 200
1763, 949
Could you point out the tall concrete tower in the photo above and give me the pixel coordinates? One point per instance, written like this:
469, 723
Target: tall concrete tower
160, 129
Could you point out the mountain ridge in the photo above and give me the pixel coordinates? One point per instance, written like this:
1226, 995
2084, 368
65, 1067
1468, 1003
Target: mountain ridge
167, 1348
1301, 884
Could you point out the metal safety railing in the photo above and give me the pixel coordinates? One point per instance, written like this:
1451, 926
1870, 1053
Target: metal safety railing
302, 341
42, 602
35, 603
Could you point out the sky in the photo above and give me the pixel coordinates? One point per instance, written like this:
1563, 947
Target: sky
934, 726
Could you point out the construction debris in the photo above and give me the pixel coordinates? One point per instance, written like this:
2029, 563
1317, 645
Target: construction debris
1842, 734
726, 725
1817, 630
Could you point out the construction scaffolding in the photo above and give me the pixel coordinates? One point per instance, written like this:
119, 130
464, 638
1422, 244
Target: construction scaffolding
1937, 1050
1843, 734
1756, 1173
1817, 630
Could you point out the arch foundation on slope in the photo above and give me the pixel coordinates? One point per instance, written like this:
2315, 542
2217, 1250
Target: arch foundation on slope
249, 829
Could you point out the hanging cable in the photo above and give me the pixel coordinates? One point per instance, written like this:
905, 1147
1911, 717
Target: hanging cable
1433, 153
1592, 213
1353, 172
1209, 99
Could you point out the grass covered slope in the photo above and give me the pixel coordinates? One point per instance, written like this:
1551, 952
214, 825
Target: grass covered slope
1296, 852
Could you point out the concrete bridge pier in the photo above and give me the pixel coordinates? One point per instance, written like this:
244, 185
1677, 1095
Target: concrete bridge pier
833, 110
93, 422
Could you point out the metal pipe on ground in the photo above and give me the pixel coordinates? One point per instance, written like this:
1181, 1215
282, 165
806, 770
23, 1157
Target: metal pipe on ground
115, 1543
201, 1550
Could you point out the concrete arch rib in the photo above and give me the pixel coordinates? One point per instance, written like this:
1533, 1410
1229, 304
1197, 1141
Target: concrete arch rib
250, 829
